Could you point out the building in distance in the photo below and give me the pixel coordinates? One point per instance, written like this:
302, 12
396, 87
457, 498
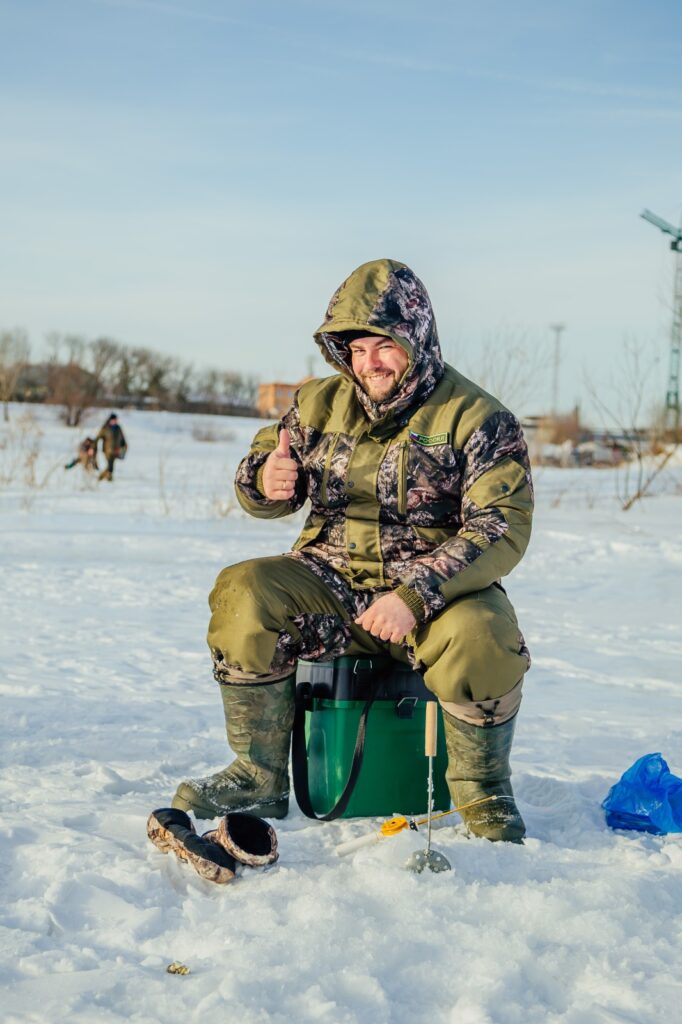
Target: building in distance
276, 397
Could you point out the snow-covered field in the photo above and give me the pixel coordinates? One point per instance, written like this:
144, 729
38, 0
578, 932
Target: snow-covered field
108, 701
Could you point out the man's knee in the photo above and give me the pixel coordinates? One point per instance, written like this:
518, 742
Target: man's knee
250, 604
248, 610
247, 584
266, 612
474, 651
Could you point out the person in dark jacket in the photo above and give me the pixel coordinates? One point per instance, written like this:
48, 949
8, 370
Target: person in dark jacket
420, 501
114, 445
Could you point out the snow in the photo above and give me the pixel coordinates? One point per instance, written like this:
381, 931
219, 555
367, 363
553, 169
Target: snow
108, 702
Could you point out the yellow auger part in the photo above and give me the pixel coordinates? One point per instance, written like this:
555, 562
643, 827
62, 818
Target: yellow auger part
394, 825
398, 824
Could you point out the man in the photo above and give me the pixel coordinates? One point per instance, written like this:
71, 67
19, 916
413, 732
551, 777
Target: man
421, 499
114, 445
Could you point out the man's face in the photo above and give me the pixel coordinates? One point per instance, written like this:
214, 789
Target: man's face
378, 364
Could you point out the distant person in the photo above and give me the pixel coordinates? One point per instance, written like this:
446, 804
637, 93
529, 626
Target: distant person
87, 456
114, 445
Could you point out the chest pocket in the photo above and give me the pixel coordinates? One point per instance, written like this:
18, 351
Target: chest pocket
431, 483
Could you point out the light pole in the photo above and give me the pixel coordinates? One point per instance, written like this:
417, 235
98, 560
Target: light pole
558, 329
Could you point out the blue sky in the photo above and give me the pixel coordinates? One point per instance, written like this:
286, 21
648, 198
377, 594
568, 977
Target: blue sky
198, 177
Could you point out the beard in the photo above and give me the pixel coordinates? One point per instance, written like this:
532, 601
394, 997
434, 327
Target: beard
379, 387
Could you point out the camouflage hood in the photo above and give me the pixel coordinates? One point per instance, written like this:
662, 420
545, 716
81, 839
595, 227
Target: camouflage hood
385, 297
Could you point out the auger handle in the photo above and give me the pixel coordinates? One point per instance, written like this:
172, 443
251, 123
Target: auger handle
343, 849
431, 729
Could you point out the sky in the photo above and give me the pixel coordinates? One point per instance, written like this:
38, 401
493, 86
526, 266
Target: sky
198, 176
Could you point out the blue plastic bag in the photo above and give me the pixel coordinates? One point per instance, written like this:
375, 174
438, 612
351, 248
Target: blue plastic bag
648, 798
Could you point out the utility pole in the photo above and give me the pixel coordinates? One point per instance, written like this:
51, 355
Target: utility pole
672, 396
558, 329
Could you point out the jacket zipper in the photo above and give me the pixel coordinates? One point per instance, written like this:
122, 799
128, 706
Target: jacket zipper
325, 472
402, 479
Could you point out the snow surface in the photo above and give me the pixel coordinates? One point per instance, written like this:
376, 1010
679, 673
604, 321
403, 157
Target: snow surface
108, 702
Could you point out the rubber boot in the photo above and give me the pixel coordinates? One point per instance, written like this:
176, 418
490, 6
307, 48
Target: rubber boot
259, 720
478, 766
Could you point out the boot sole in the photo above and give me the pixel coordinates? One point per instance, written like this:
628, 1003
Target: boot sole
495, 830
498, 837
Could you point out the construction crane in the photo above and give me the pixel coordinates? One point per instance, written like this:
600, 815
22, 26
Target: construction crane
672, 397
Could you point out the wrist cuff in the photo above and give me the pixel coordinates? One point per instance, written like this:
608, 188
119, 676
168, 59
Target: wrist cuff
259, 480
413, 602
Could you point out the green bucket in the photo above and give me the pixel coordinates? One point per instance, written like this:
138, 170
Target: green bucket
394, 773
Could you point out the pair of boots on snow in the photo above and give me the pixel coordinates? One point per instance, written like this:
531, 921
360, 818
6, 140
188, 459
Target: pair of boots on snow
259, 721
240, 838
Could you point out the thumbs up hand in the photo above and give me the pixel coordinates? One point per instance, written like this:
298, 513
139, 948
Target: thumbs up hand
280, 471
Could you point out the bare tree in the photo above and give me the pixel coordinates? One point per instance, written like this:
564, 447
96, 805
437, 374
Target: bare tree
623, 418
123, 373
14, 356
208, 386
237, 389
104, 355
509, 364
221, 388
183, 382
160, 370
70, 383
80, 372
147, 374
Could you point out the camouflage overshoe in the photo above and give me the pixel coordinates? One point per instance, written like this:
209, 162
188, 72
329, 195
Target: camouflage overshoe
259, 720
478, 766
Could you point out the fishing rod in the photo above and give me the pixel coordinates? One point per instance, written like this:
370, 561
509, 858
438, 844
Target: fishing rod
399, 823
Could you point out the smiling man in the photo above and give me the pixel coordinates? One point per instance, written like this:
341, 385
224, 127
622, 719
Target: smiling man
378, 364
420, 501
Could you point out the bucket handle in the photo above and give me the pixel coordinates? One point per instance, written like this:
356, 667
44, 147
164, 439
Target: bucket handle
299, 761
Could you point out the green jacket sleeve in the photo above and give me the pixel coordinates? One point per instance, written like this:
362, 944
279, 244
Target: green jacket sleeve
249, 477
496, 514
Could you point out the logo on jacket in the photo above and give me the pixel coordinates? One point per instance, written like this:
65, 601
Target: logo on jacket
429, 439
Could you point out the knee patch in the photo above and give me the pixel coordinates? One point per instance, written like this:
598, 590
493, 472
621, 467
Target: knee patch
237, 583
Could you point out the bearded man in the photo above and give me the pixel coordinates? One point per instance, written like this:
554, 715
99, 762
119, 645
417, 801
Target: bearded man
420, 501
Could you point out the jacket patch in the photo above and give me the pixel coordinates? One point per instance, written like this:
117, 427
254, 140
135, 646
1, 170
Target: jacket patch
429, 439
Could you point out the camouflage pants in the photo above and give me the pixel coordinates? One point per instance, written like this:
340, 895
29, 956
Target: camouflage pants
269, 612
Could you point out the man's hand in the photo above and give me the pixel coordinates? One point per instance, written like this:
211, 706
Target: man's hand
280, 471
388, 618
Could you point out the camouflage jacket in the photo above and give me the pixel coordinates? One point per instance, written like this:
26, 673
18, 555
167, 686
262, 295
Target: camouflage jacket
113, 440
428, 493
